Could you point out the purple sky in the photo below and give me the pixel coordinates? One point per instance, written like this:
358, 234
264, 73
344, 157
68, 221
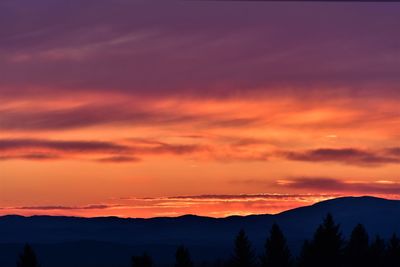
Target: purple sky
199, 48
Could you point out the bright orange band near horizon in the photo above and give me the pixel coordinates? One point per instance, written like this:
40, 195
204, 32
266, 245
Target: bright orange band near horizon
301, 152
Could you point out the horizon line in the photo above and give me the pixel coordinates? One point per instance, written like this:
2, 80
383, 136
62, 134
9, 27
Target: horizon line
193, 215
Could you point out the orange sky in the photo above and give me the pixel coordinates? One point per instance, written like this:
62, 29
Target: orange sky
277, 146
109, 115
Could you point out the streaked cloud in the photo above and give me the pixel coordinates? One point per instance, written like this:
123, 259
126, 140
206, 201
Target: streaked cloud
164, 56
41, 149
61, 145
324, 184
119, 159
119, 114
88, 207
351, 156
31, 156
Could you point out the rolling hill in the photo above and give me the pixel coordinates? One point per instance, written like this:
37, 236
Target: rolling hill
111, 241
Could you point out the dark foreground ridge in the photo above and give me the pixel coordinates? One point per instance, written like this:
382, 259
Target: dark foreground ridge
111, 241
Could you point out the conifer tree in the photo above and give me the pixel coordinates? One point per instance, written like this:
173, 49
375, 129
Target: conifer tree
243, 253
182, 257
326, 248
277, 253
357, 249
27, 258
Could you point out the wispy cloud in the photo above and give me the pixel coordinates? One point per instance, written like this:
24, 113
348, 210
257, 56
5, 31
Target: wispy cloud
350, 156
209, 57
223, 149
32, 156
61, 145
252, 197
326, 184
49, 208
85, 116
46, 149
128, 150
120, 113
119, 159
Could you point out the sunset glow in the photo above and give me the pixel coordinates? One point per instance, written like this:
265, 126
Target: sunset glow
111, 113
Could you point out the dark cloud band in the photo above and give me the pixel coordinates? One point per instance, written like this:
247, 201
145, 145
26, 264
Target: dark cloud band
350, 156
326, 184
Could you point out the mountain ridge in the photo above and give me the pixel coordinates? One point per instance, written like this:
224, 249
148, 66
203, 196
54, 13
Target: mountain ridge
112, 240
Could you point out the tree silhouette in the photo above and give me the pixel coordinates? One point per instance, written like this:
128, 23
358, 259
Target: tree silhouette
377, 253
305, 257
182, 257
277, 253
326, 247
142, 261
393, 252
27, 258
357, 249
243, 253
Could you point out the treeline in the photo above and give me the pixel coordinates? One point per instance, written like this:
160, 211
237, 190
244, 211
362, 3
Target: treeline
327, 248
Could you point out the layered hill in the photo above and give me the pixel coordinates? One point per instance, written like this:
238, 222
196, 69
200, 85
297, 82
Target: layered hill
111, 241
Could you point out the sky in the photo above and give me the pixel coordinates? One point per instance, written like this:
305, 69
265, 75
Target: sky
215, 108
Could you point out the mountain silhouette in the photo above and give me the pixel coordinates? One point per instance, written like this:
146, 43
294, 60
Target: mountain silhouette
106, 241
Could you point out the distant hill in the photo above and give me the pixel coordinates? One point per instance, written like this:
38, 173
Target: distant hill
111, 241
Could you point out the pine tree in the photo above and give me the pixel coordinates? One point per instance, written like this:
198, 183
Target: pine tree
243, 253
27, 258
142, 261
358, 247
326, 247
277, 253
182, 257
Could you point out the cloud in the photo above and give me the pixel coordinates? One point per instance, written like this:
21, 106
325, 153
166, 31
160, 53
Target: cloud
394, 151
85, 116
112, 152
119, 159
116, 113
247, 141
350, 156
248, 197
49, 208
223, 149
35, 156
235, 122
180, 53
157, 147
343, 186
61, 145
